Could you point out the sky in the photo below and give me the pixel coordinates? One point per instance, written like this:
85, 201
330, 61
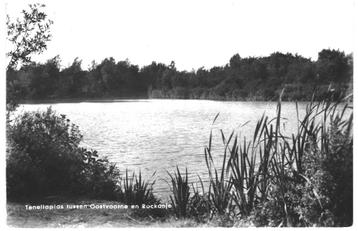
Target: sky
193, 33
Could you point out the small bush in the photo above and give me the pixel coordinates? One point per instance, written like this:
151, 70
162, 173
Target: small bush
199, 205
100, 178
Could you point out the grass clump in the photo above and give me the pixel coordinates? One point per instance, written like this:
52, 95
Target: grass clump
134, 190
137, 192
180, 193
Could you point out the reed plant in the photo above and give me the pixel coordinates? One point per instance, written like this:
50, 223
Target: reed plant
134, 190
220, 186
181, 193
287, 180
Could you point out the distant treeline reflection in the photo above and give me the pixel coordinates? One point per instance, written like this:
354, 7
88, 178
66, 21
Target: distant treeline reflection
252, 78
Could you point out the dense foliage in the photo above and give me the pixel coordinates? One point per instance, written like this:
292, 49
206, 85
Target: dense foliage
253, 78
44, 159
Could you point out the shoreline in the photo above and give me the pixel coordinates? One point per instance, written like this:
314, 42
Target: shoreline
127, 99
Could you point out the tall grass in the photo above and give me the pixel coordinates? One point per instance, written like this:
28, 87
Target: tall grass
274, 175
134, 190
220, 186
180, 190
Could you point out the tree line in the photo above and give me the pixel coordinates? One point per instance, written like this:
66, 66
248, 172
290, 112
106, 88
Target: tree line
251, 78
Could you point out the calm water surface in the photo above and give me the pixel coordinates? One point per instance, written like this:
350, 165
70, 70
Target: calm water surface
158, 135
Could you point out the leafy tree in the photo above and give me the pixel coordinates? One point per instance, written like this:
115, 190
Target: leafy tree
151, 74
72, 79
332, 65
235, 61
28, 35
96, 85
108, 72
44, 78
128, 76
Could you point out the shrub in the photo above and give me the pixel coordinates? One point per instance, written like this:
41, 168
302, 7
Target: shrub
44, 159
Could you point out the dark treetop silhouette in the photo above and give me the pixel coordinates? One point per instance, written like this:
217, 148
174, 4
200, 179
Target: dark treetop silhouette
252, 78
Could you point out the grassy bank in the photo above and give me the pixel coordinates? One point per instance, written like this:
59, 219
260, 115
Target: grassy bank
20, 217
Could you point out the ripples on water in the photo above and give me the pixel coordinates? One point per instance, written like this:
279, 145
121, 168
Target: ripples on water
158, 135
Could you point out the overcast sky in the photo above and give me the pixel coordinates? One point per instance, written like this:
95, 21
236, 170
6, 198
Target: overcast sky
193, 33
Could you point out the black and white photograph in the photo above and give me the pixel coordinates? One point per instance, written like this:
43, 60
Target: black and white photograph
178, 113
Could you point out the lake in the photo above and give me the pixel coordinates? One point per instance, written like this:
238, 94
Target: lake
158, 135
